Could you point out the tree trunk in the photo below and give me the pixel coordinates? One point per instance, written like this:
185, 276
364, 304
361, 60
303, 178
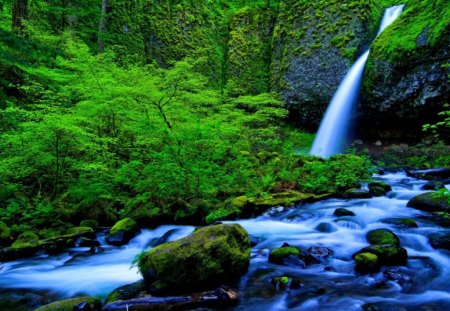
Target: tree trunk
102, 25
19, 14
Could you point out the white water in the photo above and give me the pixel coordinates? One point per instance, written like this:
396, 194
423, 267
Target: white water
333, 131
65, 275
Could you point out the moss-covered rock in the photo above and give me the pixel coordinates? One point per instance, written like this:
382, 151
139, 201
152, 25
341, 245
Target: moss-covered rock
401, 222
379, 188
280, 282
405, 81
388, 254
92, 223
85, 231
28, 239
122, 232
440, 240
367, 263
126, 292
430, 202
356, 194
343, 212
285, 255
381, 237
210, 256
69, 304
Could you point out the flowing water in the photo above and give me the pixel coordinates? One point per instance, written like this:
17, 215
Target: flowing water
330, 285
333, 130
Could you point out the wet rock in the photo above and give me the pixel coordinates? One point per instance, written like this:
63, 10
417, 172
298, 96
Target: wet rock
209, 256
398, 277
441, 218
380, 184
326, 227
377, 191
356, 194
287, 255
87, 242
221, 297
429, 202
285, 282
316, 255
343, 212
388, 255
382, 236
431, 174
401, 222
122, 232
126, 292
367, 263
435, 185
165, 237
72, 304
440, 240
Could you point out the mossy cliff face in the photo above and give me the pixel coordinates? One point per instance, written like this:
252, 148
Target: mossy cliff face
405, 81
249, 50
314, 45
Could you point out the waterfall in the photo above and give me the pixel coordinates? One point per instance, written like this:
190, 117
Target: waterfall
333, 130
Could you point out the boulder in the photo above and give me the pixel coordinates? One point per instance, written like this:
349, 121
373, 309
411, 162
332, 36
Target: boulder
210, 256
326, 227
367, 263
440, 240
430, 202
122, 232
430, 174
435, 185
381, 237
73, 304
380, 184
356, 194
388, 254
401, 222
343, 212
441, 218
126, 292
287, 255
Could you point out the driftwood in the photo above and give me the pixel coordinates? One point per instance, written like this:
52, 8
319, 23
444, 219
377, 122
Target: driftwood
220, 297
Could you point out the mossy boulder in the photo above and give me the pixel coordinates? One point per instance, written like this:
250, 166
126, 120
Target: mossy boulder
208, 257
81, 231
343, 212
401, 222
430, 202
69, 304
367, 263
381, 237
287, 255
388, 255
122, 232
28, 239
379, 184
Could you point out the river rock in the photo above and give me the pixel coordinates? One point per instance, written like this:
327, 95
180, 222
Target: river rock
441, 218
73, 304
382, 236
287, 255
379, 188
397, 276
343, 212
440, 240
401, 222
285, 282
430, 202
431, 174
128, 291
326, 227
367, 263
388, 254
122, 232
210, 256
435, 185
356, 194
221, 297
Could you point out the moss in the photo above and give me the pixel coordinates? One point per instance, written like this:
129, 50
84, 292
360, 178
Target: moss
26, 240
124, 225
381, 237
80, 230
210, 256
280, 282
367, 263
5, 231
277, 255
92, 223
430, 202
390, 255
380, 184
125, 292
69, 304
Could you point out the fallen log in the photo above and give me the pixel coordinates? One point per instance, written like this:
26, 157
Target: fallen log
222, 296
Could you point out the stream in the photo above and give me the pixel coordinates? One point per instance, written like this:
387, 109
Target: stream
332, 285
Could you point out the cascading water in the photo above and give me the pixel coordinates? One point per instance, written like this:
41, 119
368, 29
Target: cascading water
333, 130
